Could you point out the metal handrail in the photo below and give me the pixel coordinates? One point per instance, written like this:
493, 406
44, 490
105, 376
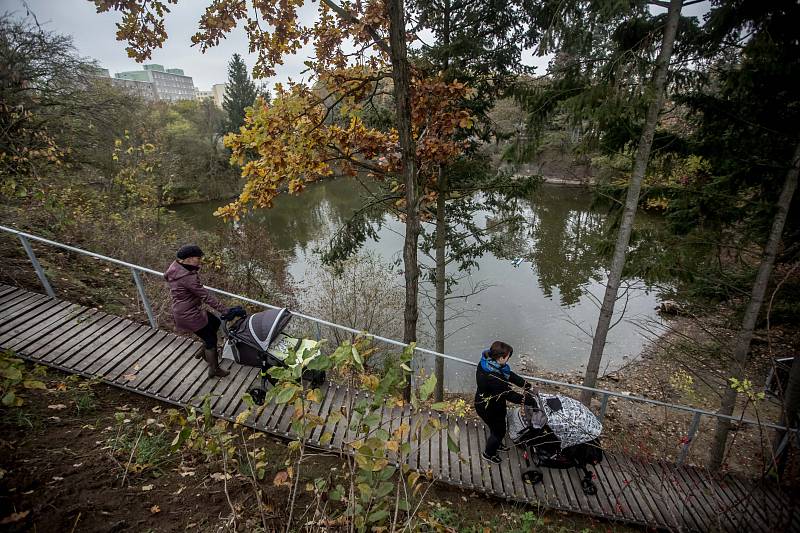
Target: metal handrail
605, 394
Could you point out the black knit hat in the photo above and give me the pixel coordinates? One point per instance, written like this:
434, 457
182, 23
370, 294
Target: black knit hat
189, 250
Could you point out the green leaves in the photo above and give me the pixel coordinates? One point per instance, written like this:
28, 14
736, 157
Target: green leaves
286, 393
427, 388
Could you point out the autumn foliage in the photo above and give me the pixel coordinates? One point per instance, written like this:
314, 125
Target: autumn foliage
291, 142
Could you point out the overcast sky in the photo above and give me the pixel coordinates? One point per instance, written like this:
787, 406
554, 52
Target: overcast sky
95, 37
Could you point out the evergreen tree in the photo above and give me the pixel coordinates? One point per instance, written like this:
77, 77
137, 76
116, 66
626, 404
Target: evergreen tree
240, 94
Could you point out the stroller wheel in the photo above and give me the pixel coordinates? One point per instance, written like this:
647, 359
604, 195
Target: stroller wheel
258, 395
532, 477
588, 486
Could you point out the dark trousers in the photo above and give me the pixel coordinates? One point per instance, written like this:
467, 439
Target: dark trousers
208, 333
496, 421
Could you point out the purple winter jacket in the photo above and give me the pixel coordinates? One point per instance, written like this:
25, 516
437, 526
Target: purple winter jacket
188, 296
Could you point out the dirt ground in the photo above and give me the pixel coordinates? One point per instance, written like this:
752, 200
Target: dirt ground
64, 466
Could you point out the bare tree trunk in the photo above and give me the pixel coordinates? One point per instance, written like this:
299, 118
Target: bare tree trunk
639, 167
742, 347
402, 96
791, 417
441, 230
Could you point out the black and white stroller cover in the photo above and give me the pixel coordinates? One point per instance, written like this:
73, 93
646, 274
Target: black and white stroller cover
569, 438
573, 423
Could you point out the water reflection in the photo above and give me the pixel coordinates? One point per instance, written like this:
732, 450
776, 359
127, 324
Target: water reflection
543, 286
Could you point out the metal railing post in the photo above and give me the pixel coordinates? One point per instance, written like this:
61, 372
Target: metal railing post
145, 301
603, 406
319, 331
689, 438
37, 267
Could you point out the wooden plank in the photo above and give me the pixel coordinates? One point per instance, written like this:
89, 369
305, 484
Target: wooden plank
355, 397
127, 371
27, 311
171, 380
65, 314
464, 459
188, 384
264, 416
693, 492
725, 503
637, 500
423, 418
166, 366
68, 330
506, 476
166, 384
99, 345
274, 417
516, 467
82, 335
654, 486
151, 369
19, 303
138, 335
7, 289
748, 497
620, 503
231, 400
206, 388
475, 450
689, 498
344, 402
447, 459
13, 330
26, 344
109, 350
324, 412
664, 485
490, 477
220, 385
233, 384
338, 429
394, 418
10, 306
135, 368
283, 425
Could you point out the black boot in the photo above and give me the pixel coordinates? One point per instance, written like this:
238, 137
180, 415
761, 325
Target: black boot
214, 371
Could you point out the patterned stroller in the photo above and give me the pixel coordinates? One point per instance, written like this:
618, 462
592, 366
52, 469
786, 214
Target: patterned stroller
570, 437
258, 340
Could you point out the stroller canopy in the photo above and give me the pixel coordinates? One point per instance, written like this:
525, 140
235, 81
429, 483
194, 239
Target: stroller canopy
263, 327
573, 423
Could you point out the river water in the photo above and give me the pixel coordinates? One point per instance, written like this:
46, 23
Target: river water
542, 296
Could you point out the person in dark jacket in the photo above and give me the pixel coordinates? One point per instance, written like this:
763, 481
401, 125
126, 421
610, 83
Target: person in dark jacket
495, 379
188, 296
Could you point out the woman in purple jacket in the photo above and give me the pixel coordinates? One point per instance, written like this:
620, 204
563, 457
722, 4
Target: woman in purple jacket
188, 296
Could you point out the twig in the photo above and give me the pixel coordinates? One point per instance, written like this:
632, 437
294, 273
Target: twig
225, 480
255, 481
76, 522
133, 450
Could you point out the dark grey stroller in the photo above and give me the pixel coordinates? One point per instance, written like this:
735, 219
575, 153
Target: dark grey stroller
258, 340
570, 437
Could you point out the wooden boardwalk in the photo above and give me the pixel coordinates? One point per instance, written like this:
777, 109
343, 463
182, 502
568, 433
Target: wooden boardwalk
161, 365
